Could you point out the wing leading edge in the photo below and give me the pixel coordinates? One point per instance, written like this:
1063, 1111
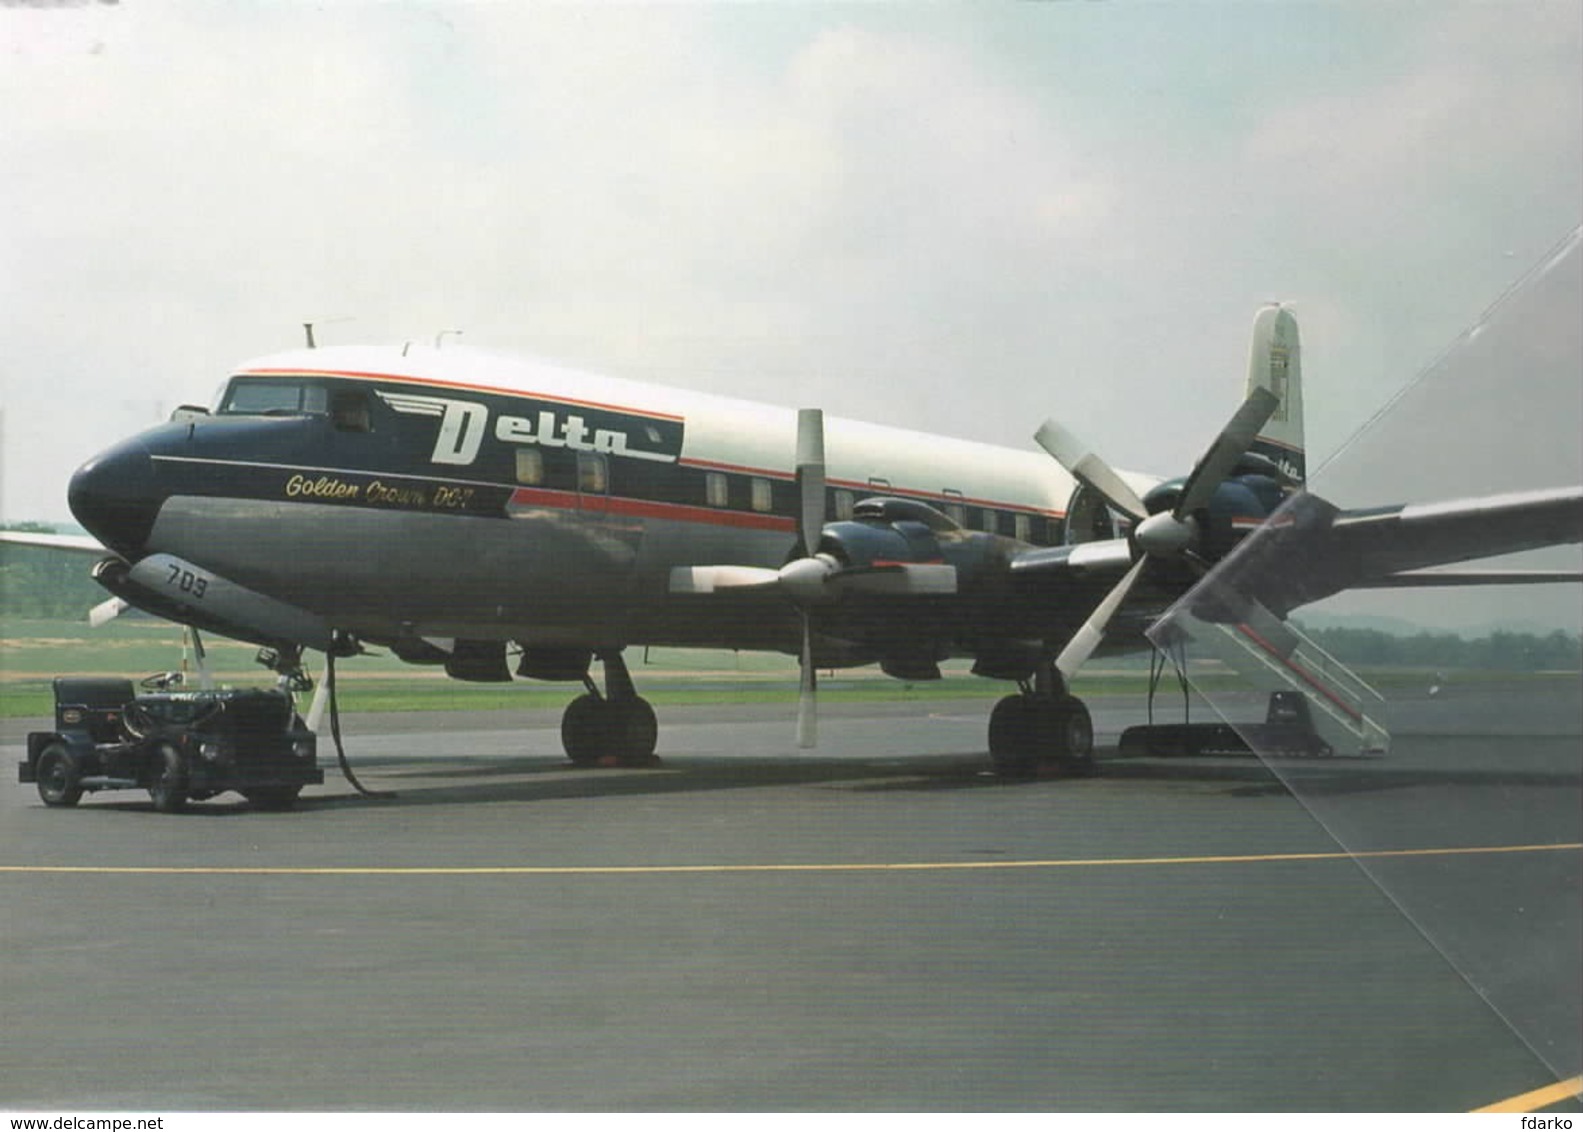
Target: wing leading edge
1310, 549
76, 544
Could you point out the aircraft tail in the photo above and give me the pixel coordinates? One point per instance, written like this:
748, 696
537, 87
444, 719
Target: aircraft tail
1275, 363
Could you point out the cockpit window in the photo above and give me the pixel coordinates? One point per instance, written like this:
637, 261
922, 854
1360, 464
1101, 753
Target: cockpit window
265, 396
349, 410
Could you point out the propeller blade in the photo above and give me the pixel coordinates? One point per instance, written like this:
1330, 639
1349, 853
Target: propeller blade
807, 693
708, 579
1086, 639
1215, 465
1088, 468
810, 477
107, 611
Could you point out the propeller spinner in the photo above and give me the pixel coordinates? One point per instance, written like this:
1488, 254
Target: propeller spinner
1172, 534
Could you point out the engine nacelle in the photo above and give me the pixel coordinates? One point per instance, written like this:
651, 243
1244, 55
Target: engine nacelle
180, 591
886, 531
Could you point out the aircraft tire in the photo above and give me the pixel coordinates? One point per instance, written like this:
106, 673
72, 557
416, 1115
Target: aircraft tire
1012, 750
59, 780
585, 730
168, 788
636, 730
1074, 737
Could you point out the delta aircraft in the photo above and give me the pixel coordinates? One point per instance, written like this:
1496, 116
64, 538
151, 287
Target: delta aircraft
503, 517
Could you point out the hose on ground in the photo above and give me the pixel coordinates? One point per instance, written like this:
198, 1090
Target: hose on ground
335, 733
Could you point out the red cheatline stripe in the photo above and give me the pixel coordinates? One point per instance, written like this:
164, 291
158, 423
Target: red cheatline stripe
741, 469
643, 508
410, 380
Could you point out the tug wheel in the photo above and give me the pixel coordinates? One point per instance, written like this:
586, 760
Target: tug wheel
59, 780
167, 786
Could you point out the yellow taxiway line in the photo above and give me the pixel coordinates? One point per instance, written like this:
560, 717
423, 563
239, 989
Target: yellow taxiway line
671, 870
1538, 1098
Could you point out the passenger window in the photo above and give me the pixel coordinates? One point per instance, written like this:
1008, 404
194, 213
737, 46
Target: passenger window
1024, 528
593, 473
844, 502
761, 494
715, 489
530, 466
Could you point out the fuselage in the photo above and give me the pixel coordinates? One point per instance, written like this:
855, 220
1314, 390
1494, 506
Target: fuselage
417, 493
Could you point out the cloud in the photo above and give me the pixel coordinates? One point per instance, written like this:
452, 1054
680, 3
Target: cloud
893, 213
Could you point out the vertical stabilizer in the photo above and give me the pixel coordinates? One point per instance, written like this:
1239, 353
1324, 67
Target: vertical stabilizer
1275, 363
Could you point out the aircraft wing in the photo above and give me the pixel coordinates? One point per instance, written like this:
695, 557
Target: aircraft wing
76, 544
106, 610
1311, 549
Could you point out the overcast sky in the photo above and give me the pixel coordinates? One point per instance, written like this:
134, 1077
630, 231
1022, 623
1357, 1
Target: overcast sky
952, 218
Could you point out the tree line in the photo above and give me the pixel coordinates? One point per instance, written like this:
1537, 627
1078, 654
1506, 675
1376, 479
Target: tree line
1500, 651
37, 582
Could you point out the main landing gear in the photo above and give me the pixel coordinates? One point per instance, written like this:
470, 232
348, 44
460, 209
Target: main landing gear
617, 728
1041, 728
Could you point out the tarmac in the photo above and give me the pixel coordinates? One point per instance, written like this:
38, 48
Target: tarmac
877, 925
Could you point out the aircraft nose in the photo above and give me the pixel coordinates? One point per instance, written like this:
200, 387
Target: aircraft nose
114, 497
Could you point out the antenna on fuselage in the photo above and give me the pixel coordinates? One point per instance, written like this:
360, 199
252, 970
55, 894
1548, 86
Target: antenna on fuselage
441, 335
307, 327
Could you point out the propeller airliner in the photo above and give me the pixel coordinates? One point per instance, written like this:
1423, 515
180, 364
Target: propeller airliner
503, 517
